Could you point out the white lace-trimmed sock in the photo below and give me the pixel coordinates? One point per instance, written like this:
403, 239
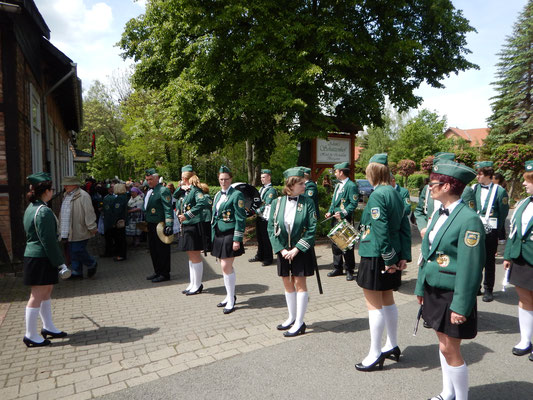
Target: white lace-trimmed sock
459, 378
390, 314
31, 325
46, 315
302, 298
290, 298
448, 393
197, 272
191, 276
376, 321
525, 319
230, 289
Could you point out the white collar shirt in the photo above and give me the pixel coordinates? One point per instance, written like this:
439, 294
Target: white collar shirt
441, 220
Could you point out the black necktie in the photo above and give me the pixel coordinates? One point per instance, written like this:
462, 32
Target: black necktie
485, 186
293, 198
531, 198
444, 211
223, 192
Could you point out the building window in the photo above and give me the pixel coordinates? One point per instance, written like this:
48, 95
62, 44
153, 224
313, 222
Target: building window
36, 134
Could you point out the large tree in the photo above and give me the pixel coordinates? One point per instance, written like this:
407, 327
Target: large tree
512, 110
240, 70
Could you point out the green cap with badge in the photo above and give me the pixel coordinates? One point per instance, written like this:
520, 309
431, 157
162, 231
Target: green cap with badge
484, 164
150, 171
296, 171
224, 170
343, 165
306, 170
381, 158
39, 177
455, 170
529, 166
186, 168
443, 156
266, 171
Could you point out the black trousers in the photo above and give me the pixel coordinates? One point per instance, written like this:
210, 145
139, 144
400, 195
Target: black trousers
119, 236
159, 251
339, 258
109, 242
491, 246
264, 247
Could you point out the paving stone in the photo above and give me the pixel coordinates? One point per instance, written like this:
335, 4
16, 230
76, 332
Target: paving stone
142, 379
9, 393
189, 346
115, 387
69, 378
57, 393
200, 361
125, 374
105, 369
226, 354
91, 384
161, 354
78, 396
155, 366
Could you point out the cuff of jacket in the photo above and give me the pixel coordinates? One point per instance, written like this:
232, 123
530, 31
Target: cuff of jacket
390, 258
238, 236
302, 245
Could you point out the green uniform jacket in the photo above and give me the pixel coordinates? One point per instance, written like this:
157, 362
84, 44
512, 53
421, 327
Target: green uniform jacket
311, 191
518, 244
406, 198
159, 207
231, 215
422, 214
304, 227
385, 227
207, 210
41, 235
455, 260
108, 211
120, 208
191, 204
500, 206
267, 197
347, 201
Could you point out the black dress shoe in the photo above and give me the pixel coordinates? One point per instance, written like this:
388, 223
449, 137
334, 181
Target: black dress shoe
255, 259
228, 310
184, 291
31, 343
335, 272
378, 364
531, 357
150, 277
349, 275
522, 352
160, 278
198, 291
91, 271
437, 397
393, 354
45, 333
267, 263
427, 325
282, 327
223, 303
487, 296
300, 331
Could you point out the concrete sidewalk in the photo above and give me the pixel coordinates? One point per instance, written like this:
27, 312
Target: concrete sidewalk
131, 338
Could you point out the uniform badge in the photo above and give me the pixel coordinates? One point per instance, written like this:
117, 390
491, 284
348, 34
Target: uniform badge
355, 197
167, 198
375, 212
315, 217
471, 204
300, 207
407, 202
443, 260
153, 210
366, 233
210, 201
241, 203
270, 195
472, 238
505, 200
200, 196
310, 193
117, 205
435, 168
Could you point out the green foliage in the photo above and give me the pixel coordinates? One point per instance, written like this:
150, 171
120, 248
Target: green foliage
426, 164
284, 156
416, 181
511, 157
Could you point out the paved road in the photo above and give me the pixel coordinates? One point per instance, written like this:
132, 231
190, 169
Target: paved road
131, 338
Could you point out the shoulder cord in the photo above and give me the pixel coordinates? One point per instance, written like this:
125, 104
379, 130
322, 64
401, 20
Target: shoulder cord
35, 222
426, 202
491, 201
277, 229
513, 219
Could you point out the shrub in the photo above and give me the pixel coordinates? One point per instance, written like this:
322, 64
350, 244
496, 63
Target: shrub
416, 181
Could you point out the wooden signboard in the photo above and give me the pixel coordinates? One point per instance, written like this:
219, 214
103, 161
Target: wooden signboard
325, 153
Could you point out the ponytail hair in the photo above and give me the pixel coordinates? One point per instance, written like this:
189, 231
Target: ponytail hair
36, 192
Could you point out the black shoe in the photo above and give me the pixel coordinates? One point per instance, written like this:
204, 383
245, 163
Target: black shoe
223, 304
522, 352
160, 278
31, 343
75, 277
335, 272
91, 271
487, 296
426, 325
198, 291
378, 364
228, 310
267, 263
437, 397
393, 354
45, 333
349, 275
255, 259
150, 277
282, 327
531, 357
300, 331
184, 291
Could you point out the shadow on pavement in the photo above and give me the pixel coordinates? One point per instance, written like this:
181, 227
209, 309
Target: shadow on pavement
502, 390
498, 323
349, 325
106, 334
259, 302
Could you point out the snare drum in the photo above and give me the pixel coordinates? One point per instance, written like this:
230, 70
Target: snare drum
344, 235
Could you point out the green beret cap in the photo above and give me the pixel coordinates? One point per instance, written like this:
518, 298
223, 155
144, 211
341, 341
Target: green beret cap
266, 171
380, 158
443, 156
529, 166
296, 171
455, 170
342, 165
150, 171
484, 164
306, 170
39, 177
187, 168
224, 169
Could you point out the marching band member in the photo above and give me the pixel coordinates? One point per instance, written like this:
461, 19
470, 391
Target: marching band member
192, 202
206, 224
227, 232
291, 228
311, 189
518, 257
453, 253
385, 249
404, 194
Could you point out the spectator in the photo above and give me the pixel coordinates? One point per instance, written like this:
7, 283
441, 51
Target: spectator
135, 215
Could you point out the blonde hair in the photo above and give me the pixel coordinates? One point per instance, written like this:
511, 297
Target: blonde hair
192, 177
290, 182
378, 174
119, 188
528, 176
204, 187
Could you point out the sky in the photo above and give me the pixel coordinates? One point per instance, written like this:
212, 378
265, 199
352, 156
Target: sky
87, 32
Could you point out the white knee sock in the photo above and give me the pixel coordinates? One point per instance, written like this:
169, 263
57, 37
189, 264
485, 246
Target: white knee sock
459, 378
376, 321
46, 316
31, 324
447, 386
390, 314
230, 290
290, 298
197, 270
302, 298
191, 276
525, 319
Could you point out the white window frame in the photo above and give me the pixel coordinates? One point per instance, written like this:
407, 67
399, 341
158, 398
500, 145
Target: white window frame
36, 137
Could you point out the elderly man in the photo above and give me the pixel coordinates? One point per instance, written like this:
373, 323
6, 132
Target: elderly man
77, 222
158, 208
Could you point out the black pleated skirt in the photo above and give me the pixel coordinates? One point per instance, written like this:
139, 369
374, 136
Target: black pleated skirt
303, 264
521, 274
223, 245
190, 238
369, 275
39, 271
436, 312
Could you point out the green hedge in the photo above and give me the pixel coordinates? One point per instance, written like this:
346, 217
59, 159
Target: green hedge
416, 181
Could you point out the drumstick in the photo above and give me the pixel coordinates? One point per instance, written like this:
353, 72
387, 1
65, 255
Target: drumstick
328, 218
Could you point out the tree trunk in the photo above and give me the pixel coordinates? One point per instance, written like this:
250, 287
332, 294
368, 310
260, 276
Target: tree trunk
304, 156
250, 161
